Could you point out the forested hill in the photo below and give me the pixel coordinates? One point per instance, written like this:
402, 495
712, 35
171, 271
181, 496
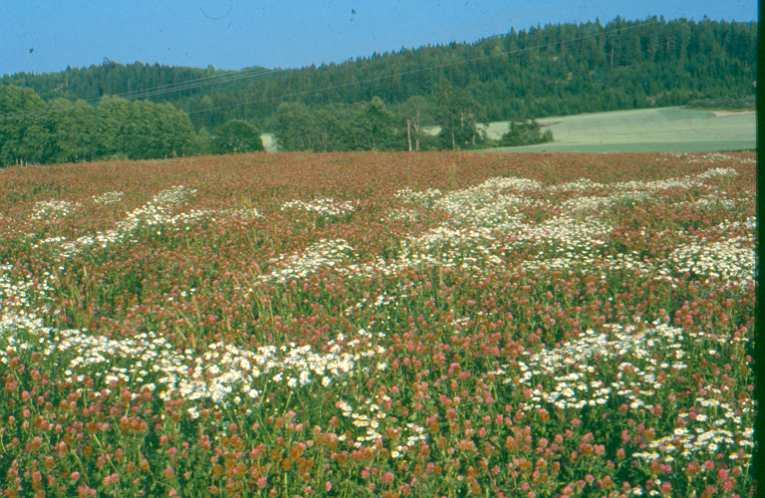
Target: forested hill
382, 102
551, 70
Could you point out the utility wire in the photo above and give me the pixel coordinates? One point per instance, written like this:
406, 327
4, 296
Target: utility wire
170, 88
192, 84
222, 79
425, 69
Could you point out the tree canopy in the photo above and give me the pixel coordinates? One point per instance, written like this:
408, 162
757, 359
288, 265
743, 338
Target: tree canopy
237, 136
382, 102
525, 133
555, 69
32, 131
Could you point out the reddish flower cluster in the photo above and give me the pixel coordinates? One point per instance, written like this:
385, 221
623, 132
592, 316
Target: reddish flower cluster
409, 325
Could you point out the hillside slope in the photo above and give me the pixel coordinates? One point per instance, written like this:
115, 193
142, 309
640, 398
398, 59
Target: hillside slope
672, 129
543, 71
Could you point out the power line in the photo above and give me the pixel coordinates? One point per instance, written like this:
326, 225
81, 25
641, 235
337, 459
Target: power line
187, 85
429, 68
226, 78
193, 83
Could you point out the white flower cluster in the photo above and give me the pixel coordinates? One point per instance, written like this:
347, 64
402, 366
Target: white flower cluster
710, 157
731, 227
501, 183
730, 261
401, 215
469, 205
466, 249
685, 182
451, 244
584, 204
52, 210
567, 234
149, 361
372, 418
322, 207
241, 214
319, 255
631, 366
479, 214
177, 194
572, 376
498, 184
384, 299
579, 185
713, 427
465, 241
485, 222
717, 173
584, 262
157, 213
225, 370
711, 202
595, 203
424, 198
21, 297
391, 267
20, 302
108, 198
482, 208
480, 219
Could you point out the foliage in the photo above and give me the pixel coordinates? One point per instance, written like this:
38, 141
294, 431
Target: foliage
556, 69
416, 112
23, 135
724, 103
382, 128
457, 115
201, 142
155, 130
32, 131
379, 324
382, 102
237, 136
295, 127
525, 133
338, 127
674, 129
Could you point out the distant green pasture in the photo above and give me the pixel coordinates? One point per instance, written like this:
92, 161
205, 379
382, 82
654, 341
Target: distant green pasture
666, 129
669, 129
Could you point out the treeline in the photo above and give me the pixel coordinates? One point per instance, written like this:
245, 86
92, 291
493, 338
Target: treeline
724, 103
550, 70
61, 130
374, 126
385, 101
525, 133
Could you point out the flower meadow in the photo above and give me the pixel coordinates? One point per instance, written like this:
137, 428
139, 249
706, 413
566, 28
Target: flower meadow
381, 325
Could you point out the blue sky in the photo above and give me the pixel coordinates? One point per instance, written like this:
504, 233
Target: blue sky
48, 35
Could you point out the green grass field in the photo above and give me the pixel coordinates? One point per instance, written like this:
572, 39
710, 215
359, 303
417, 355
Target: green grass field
669, 129
666, 129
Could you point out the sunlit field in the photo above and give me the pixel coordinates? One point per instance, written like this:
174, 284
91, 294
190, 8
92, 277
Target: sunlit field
380, 325
666, 129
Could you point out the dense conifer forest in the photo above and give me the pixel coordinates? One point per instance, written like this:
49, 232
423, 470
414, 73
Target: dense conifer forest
382, 101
